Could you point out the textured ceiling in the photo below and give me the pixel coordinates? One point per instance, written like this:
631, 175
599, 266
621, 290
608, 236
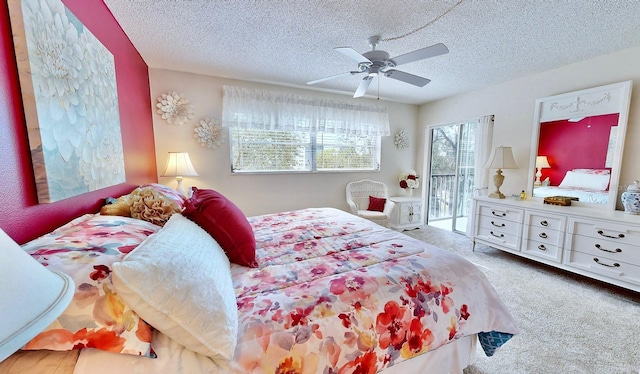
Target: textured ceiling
291, 42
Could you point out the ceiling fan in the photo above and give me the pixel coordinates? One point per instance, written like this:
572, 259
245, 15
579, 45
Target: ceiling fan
376, 62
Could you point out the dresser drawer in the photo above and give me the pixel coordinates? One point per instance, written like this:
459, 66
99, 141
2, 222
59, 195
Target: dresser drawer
500, 225
545, 235
510, 240
548, 222
543, 250
618, 270
499, 212
616, 251
607, 231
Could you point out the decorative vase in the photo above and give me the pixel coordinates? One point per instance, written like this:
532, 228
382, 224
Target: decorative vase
631, 198
408, 192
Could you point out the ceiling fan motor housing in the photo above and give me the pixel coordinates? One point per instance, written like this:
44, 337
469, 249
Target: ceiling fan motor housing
379, 58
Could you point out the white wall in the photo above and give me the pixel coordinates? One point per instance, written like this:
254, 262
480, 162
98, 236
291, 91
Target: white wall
513, 103
261, 194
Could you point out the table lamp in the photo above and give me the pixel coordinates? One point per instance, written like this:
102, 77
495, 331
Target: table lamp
501, 158
179, 166
32, 296
541, 162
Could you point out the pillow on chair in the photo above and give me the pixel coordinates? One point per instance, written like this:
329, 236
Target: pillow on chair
376, 204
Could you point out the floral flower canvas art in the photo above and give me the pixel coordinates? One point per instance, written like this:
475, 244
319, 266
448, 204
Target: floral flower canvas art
70, 101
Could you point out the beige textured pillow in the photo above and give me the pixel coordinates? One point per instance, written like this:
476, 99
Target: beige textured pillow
150, 205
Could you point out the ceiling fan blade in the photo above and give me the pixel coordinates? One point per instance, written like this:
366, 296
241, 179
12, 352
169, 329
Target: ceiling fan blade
333, 77
407, 78
420, 54
362, 88
349, 52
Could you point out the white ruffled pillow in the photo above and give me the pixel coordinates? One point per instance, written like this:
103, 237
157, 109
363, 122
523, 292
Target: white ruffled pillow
178, 280
598, 182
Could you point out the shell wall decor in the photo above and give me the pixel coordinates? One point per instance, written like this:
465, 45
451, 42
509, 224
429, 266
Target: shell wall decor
402, 139
210, 133
174, 108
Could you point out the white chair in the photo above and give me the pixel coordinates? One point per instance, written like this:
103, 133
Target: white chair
358, 199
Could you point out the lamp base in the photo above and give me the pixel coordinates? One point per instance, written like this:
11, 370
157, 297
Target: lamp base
497, 195
180, 188
498, 178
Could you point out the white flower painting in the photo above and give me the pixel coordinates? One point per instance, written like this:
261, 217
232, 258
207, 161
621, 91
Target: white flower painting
71, 102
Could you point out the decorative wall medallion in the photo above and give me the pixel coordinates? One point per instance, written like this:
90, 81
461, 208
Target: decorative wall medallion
402, 139
174, 108
210, 133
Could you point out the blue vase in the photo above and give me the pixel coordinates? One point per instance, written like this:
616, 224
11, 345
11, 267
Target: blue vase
631, 198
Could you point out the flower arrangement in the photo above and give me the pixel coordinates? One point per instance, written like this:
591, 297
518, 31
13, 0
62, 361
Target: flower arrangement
409, 180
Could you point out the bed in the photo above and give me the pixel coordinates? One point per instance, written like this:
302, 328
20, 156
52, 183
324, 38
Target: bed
324, 291
588, 185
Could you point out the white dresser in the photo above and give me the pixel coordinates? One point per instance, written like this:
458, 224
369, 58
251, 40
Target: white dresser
407, 213
600, 244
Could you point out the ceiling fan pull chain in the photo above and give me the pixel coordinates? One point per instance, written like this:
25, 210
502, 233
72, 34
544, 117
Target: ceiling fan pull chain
423, 26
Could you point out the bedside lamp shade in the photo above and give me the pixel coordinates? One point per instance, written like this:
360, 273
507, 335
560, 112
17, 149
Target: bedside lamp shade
179, 165
541, 162
32, 296
501, 158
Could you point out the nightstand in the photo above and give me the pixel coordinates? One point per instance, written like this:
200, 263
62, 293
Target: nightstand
407, 214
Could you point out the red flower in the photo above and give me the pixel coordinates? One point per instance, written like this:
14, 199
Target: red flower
418, 340
365, 364
464, 312
392, 325
101, 272
403, 184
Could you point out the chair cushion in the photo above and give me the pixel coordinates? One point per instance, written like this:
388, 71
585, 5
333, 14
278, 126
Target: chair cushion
370, 214
376, 203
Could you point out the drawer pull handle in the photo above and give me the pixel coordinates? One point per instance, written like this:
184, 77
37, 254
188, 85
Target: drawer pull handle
497, 236
618, 250
615, 264
542, 247
498, 214
544, 223
543, 235
620, 236
496, 225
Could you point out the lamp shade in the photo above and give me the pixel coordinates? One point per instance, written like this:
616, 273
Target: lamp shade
32, 296
501, 158
542, 162
179, 165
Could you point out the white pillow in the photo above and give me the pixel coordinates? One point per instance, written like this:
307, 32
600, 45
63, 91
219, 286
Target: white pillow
598, 182
178, 280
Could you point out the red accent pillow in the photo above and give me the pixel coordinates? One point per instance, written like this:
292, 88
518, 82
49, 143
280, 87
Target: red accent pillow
225, 222
376, 204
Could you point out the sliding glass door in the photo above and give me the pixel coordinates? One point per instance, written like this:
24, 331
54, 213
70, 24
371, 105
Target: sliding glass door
451, 165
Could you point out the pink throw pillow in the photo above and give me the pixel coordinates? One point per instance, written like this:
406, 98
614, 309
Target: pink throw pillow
376, 204
225, 222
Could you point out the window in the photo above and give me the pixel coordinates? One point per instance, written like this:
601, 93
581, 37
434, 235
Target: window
282, 132
254, 150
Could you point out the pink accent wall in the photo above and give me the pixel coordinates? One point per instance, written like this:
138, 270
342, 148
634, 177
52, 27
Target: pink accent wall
575, 145
20, 214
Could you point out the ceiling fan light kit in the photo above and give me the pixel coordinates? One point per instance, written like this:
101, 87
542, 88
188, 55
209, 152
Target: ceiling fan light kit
377, 62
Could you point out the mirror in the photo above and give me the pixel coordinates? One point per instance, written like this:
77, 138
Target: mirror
577, 144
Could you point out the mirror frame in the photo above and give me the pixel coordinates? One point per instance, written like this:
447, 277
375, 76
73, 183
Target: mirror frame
607, 99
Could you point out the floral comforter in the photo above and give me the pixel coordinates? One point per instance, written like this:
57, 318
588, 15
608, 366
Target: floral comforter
335, 293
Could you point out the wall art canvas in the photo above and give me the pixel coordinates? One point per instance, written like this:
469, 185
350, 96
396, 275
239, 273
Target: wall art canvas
69, 92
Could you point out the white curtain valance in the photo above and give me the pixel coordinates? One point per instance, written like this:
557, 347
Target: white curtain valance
269, 110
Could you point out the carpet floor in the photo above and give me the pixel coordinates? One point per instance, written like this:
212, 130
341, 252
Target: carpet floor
569, 323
